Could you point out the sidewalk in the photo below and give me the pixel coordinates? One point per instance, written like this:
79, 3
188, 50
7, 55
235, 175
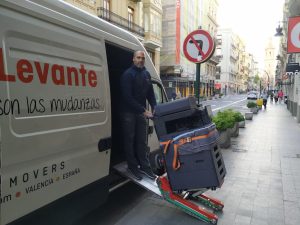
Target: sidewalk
262, 185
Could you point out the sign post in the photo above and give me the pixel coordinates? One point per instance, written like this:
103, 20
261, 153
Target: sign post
197, 84
198, 47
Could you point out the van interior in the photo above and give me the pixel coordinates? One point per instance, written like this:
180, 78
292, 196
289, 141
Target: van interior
118, 60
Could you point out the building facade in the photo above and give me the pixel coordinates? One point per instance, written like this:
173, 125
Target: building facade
89, 6
143, 18
229, 62
252, 71
237, 66
289, 83
268, 74
209, 70
179, 19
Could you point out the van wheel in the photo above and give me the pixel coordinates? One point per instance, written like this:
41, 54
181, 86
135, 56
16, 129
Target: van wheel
157, 163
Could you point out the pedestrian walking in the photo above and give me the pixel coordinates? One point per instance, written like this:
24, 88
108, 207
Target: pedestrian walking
136, 88
272, 96
280, 95
265, 99
173, 95
276, 97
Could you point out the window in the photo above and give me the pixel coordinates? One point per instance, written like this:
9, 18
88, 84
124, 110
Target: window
106, 7
130, 17
156, 25
151, 54
159, 94
146, 22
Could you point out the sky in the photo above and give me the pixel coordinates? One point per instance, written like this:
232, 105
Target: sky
255, 21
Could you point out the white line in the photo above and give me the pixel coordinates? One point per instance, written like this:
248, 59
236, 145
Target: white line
119, 185
229, 105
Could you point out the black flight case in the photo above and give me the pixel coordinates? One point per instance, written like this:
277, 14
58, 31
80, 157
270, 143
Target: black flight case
189, 143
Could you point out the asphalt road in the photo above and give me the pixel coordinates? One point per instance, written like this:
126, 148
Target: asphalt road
119, 203
237, 102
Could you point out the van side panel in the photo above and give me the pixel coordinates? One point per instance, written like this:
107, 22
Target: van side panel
54, 109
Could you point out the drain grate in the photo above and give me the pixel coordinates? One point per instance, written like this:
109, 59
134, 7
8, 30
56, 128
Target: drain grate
241, 150
297, 156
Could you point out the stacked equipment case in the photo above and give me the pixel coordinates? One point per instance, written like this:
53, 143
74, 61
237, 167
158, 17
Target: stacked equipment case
189, 144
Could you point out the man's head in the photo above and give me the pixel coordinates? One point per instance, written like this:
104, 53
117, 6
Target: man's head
139, 59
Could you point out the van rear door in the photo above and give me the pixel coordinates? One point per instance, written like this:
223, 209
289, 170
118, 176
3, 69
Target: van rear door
54, 109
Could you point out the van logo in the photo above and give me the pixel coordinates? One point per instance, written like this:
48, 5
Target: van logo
43, 72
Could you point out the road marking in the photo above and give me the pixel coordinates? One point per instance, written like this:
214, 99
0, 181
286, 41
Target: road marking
229, 104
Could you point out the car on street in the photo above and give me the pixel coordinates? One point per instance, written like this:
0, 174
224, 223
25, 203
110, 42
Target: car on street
253, 95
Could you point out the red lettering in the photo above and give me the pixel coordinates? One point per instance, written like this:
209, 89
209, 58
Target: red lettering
3, 76
24, 66
82, 70
92, 77
73, 70
43, 74
60, 80
26, 74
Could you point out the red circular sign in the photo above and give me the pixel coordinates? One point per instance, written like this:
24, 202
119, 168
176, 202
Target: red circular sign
198, 46
293, 43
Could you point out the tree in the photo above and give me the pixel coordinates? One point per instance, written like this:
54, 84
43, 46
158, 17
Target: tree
256, 79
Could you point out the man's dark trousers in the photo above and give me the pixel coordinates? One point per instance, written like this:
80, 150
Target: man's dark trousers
135, 139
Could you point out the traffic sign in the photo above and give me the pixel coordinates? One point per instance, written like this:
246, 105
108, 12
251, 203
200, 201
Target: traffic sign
293, 43
198, 46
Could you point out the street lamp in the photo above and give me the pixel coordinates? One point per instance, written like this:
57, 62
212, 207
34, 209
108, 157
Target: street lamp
279, 29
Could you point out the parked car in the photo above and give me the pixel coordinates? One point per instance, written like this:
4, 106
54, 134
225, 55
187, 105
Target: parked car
252, 95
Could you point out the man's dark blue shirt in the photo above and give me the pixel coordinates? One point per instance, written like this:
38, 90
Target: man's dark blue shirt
136, 88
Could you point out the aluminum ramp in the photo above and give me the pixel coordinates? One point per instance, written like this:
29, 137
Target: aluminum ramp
187, 202
146, 182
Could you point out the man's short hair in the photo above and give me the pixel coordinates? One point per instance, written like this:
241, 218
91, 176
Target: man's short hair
136, 51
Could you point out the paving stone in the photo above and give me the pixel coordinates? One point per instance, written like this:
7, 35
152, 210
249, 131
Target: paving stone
260, 212
262, 184
258, 222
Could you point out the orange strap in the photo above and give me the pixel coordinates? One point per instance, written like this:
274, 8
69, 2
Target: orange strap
176, 162
182, 141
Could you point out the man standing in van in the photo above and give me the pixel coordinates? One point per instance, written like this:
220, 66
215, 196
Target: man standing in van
136, 88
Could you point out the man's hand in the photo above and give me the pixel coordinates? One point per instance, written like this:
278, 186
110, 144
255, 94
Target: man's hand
148, 114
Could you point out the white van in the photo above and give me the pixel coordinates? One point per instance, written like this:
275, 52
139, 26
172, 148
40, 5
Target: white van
59, 94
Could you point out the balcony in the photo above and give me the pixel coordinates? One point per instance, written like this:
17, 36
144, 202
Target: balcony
215, 59
154, 4
152, 39
152, 21
212, 18
120, 21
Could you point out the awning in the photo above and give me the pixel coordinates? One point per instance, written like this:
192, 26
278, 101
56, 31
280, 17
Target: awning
217, 86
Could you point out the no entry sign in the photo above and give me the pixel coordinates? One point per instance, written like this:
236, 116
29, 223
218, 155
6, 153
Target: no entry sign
198, 46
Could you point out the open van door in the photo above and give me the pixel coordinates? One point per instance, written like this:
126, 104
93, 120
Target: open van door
153, 142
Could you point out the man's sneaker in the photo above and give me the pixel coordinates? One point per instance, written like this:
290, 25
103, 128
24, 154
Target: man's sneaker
135, 173
148, 172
